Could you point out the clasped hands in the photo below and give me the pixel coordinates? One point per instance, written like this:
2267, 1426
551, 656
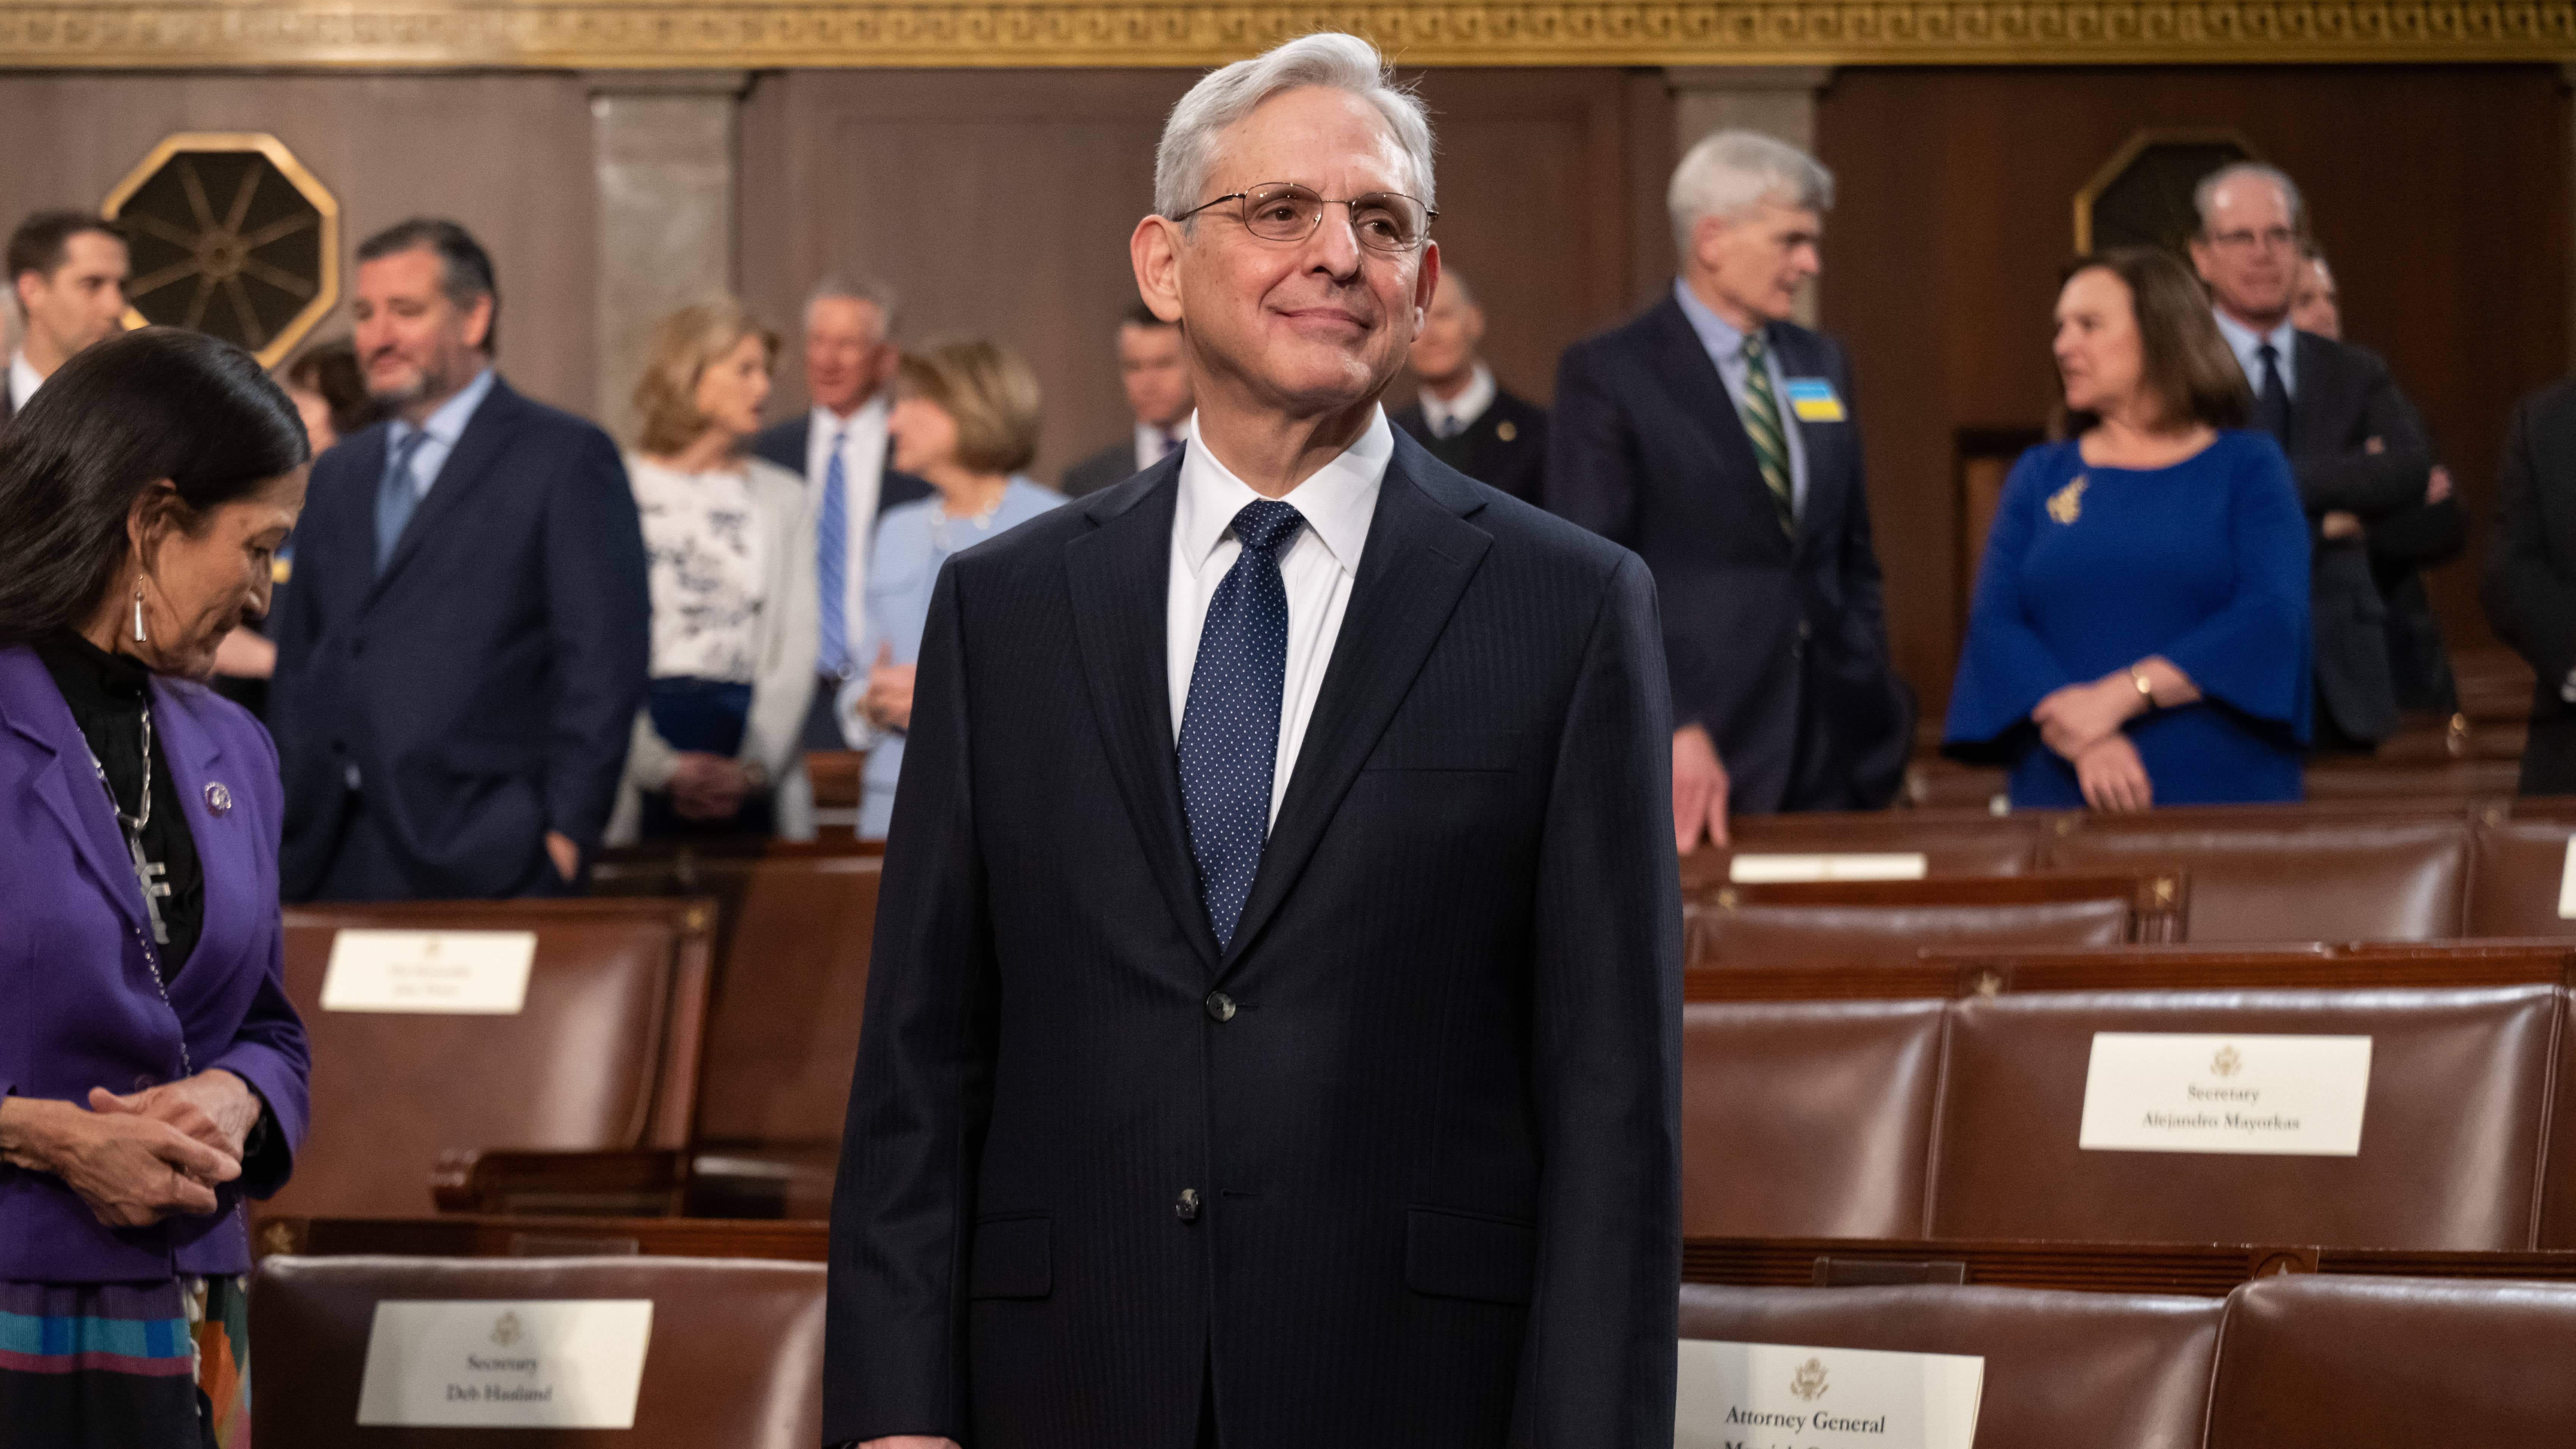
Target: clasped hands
139, 1158
2082, 722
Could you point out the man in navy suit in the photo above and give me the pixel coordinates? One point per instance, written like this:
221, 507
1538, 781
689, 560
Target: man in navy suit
841, 449
1273, 1030
1716, 438
460, 661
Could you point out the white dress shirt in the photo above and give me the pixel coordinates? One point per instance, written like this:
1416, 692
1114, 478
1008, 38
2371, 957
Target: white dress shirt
1318, 568
1448, 419
1152, 443
2247, 344
863, 457
23, 381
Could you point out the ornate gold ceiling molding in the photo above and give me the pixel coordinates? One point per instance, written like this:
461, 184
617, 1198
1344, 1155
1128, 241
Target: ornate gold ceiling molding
101, 34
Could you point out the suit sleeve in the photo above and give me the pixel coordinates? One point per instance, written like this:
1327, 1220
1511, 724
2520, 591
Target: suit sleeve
2253, 654
1593, 472
2420, 536
784, 690
2530, 599
2372, 484
1598, 1359
895, 1324
269, 1050
1864, 584
2005, 667
599, 613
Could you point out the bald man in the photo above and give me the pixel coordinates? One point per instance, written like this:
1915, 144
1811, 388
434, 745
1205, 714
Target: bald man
1461, 414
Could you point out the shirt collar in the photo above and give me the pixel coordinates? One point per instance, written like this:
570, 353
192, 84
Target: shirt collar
1718, 335
1468, 405
869, 418
2247, 343
23, 380
447, 424
1336, 502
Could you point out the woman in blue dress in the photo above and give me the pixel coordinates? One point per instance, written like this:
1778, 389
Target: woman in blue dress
966, 419
2140, 629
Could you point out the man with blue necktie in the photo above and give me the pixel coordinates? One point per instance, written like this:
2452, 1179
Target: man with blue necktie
2356, 445
1273, 1030
840, 447
460, 661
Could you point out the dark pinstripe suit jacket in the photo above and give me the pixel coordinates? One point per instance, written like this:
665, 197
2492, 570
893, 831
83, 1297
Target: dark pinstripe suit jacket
1431, 1146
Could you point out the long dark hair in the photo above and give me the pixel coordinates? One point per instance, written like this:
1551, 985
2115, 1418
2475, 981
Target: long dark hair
2181, 358
116, 419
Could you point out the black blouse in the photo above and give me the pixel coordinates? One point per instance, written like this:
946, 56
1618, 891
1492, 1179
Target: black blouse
107, 693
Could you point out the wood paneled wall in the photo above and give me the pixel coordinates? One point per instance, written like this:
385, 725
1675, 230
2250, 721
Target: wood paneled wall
507, 155
2441, 194
999, 203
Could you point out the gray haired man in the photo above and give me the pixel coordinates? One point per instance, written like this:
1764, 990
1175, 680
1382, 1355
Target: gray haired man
1273, 1031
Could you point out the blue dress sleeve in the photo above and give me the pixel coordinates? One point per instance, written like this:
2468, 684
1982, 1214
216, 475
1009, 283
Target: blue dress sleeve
2252, 655
2005, 667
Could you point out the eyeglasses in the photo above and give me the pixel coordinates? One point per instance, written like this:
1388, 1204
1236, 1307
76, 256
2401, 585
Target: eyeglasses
2270, 239
1282, 211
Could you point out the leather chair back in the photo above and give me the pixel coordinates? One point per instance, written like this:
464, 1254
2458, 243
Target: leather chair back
2450, 1143
2105, 1370
2326, 1361
1863, 921
2515, 879
604, 1053
1807, 1119
2271, 878
735, 1358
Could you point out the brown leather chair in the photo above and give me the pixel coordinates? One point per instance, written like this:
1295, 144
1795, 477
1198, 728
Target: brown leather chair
2451, 1132
1862, 921
2514, 879
1952, 842
795, 926
2330, 1362
604, 1055
2107, 1370
735, 1358
2281, 876
1807, 1119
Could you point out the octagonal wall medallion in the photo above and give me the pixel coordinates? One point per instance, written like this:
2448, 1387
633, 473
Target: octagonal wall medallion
230, 236
2142, 195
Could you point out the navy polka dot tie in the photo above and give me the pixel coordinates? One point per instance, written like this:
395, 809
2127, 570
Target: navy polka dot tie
1230, 728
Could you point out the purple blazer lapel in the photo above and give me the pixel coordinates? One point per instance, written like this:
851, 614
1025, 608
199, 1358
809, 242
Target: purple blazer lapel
193, 750
61, 774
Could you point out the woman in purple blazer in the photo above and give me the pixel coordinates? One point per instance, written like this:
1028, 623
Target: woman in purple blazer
152, 1072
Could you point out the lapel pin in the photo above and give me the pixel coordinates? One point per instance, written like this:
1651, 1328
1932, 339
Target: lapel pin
218, 799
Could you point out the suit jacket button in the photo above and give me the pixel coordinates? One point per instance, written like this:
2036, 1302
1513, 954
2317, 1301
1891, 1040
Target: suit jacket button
1220, 1006
1187, 1209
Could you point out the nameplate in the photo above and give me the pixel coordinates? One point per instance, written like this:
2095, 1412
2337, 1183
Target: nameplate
1775, 1396
489, 1364
1782, 869
2567, 883
467, 973
2282, 1096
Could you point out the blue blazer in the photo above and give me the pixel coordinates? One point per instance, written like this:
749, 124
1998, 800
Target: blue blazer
82, 1006
486, 683
1424, 1107
1777, 646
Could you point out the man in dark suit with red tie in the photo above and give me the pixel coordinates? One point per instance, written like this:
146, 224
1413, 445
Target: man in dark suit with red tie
1717, 439
1273, 1030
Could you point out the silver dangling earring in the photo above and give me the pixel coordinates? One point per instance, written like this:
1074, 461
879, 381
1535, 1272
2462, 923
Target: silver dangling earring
138, 615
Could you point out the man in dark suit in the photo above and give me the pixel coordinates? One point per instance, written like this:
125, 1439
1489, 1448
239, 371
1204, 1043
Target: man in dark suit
2356, 445
460, 661
2531, 577
1462, 416
1716, 438
1155, 371
67, 273
840, 447
1311, 1080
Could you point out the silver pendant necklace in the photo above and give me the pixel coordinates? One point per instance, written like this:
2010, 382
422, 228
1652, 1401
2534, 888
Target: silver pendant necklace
148, 872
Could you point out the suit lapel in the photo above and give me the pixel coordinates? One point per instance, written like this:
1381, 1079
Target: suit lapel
193, 752
1119, 574
468, 465
68, 783
1685, 366
2314, 410
1420, 554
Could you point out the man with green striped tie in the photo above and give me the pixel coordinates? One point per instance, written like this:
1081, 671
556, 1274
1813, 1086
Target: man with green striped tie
1716, 438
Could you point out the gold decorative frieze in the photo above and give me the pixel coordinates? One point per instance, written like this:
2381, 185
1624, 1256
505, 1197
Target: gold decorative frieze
697, 34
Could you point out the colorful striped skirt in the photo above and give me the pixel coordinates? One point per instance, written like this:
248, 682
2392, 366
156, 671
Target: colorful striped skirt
149, 1365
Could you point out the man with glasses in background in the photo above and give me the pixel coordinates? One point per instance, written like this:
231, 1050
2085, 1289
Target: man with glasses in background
2356, 445
1273, 1030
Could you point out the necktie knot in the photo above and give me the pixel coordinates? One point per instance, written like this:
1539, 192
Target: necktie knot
2268, 354
1267, 527
1753, 347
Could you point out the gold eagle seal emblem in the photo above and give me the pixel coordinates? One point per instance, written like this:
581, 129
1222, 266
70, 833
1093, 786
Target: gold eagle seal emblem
1809, 1382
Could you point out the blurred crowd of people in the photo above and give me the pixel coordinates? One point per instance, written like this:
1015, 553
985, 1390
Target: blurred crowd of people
500, 641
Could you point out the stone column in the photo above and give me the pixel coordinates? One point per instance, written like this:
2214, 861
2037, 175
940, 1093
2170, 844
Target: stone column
664, 142
1777, 100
